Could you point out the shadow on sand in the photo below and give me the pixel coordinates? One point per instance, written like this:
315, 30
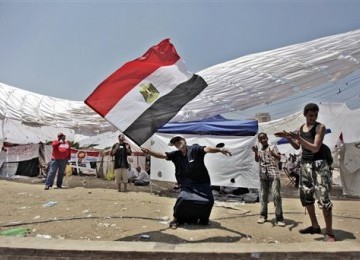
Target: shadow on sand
160, 236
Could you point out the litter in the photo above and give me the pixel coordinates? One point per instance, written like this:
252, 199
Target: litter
50, 204
15, 232
144, 236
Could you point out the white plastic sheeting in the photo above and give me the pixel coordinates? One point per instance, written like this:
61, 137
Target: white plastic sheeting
38, 110
234, 85
268, 76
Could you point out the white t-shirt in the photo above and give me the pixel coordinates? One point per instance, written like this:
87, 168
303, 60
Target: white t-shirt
143, 176
132, 173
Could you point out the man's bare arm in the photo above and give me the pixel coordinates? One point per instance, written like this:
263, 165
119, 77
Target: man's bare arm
212, 149
153, 153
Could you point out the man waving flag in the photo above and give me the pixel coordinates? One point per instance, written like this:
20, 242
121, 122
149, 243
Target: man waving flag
144, 94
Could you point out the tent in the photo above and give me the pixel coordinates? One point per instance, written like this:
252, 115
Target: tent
239, 170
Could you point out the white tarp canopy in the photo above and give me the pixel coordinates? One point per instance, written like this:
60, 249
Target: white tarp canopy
234, 85
268, 76
37, 110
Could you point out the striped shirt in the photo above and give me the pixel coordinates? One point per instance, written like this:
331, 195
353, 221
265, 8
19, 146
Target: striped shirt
268, 164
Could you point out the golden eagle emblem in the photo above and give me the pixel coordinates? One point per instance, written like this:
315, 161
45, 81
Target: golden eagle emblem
149, 92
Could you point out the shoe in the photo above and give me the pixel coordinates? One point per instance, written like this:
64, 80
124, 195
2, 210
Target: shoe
280, 223
261, 220
310, 230
59, 187
46, 187
173, 224
329, 238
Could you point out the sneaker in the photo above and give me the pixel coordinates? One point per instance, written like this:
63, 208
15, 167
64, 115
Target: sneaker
261, 220
280, 223
173, 224
310, 230
329, 238
59, 187
46, 187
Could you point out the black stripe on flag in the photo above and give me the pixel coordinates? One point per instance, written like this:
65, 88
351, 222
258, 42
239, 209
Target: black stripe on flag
164, 109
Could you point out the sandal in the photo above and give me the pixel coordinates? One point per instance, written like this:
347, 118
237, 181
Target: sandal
329, 238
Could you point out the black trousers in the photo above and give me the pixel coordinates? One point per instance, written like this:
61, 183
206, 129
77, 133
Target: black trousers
194, 204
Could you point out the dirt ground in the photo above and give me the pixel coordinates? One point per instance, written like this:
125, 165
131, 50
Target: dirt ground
88, 208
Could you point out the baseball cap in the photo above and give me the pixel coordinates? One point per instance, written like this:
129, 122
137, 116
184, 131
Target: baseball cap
175, 139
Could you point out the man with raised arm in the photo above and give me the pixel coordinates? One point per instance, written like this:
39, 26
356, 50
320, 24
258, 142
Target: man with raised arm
195, 200
315, 175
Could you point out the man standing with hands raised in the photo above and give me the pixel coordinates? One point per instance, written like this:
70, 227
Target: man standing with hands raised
121, 150
61, 154
268, 158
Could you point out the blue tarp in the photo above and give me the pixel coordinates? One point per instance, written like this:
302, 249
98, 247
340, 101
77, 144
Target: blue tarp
216, 125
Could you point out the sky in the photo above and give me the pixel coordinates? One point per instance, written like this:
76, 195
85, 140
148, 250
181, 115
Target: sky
65, 49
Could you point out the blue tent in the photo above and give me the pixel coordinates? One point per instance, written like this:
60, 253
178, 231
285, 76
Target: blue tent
216, 125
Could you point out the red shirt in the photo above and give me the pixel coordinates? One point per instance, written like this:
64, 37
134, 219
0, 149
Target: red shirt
61, 151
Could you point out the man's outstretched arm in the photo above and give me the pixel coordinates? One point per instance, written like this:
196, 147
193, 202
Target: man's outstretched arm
155, 154
212, 149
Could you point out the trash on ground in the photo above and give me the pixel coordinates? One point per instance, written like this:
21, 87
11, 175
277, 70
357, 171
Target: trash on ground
43, 236
49, 204
144, 236
21, 231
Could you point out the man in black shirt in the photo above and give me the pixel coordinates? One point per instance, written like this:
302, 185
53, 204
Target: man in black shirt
315, 175
121, 150
195, 201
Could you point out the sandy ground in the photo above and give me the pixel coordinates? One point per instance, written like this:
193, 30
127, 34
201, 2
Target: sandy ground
91, 209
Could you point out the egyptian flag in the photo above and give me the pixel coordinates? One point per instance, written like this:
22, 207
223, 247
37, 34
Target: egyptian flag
144, 94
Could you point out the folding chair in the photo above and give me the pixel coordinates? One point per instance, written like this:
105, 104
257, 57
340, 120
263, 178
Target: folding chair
292, 179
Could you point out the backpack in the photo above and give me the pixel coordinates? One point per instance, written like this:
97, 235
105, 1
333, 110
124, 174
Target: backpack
328, 155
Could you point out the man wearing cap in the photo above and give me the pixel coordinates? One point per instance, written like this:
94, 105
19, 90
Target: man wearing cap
195, 200
61, 154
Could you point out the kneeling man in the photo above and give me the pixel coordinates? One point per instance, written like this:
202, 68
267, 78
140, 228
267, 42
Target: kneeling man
195, 200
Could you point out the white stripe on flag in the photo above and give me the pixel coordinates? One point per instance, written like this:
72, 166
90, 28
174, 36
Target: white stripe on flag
164, 79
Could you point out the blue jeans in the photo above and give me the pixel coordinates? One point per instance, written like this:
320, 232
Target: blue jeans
58, 166
273, 187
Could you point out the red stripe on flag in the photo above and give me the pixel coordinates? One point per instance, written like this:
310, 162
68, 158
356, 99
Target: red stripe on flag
118, 84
